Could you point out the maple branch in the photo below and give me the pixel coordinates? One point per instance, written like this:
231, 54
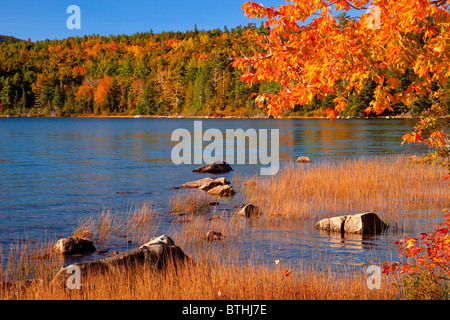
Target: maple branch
259, 55
363, 8
265, 57
439, 3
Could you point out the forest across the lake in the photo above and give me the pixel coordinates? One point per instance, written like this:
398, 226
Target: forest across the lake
166, 74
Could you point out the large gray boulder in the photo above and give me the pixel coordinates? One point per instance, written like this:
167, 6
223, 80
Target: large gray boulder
334, 224
214, 167
362, 223
155, 255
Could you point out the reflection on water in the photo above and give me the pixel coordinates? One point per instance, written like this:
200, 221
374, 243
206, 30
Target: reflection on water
55, 172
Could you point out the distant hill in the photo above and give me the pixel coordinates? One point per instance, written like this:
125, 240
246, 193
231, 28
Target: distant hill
6, 38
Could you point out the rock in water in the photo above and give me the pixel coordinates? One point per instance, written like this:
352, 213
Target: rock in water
155, 254
74, 245
164, 239
334, 224
250, 211
362, 223
197, 183
214, 167
223, 191
303, 160
218, 182
206, 183
213, 235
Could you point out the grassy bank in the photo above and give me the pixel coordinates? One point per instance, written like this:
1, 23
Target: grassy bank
212, 280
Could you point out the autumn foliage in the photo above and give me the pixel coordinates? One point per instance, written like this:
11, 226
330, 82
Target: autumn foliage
433, 253
311, 54
426, 255
169, 73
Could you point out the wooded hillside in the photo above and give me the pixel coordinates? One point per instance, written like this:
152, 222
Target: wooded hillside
170, 73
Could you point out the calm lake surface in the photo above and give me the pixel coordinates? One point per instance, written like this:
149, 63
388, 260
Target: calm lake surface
56, 171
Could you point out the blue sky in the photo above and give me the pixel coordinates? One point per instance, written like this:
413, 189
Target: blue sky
39, 20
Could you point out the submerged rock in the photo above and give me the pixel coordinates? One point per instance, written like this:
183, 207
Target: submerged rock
334, 224
250, 211
214, 167
164, 239
362, 223
213, 235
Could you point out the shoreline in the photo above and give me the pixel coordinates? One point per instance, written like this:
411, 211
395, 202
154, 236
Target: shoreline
195, 281
210, 117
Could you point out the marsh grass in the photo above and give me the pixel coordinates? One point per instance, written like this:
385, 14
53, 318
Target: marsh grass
216, 272
189, 203
393, 187
26, 260
210, 278
137, 224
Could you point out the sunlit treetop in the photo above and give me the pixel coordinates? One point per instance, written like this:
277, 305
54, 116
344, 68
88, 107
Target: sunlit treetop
310, 55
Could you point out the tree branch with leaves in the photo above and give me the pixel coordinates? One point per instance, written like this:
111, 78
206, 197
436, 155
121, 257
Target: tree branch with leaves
311, 56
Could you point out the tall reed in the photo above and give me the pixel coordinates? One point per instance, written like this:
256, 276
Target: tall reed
392, 187
138, 223
189, 203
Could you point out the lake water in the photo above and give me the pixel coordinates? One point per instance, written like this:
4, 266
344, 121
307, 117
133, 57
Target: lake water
56, 171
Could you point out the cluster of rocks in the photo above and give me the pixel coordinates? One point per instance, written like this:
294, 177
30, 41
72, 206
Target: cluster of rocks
214, 235
214, 187
155, 255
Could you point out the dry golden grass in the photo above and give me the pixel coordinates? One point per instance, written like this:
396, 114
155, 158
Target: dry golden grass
191, 235
392, 187
136, 224
189, 203
30, 261
216, 273
213, 280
